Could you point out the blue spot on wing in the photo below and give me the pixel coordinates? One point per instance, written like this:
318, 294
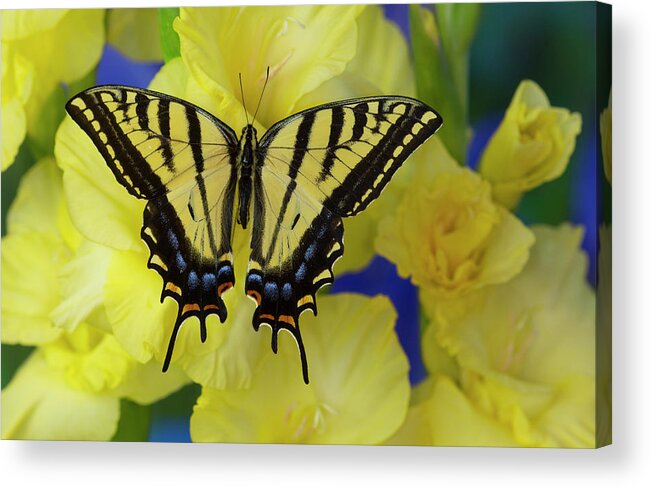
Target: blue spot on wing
300, 273
222, 271
255, 278
271, 291
180, 262
209, 281
173, 240
287, 292
309, 253
193, 280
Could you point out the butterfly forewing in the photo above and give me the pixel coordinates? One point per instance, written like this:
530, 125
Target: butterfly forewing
318, 166
181, 159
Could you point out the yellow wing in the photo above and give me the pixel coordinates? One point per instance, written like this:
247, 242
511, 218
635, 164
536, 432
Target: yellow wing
319, 166
180, 159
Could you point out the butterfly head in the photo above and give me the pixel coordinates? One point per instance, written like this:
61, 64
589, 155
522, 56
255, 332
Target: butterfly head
249, 133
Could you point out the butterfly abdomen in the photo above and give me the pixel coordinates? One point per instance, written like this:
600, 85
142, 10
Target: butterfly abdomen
246, 162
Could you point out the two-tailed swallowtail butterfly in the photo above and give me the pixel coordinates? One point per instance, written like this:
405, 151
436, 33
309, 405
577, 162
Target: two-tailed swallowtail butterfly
295, 184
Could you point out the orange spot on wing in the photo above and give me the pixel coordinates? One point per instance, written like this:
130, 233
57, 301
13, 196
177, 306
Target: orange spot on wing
304, 300
287, 319
255, 295
190, 307
223, 287
267, 316
173, 288
211, 306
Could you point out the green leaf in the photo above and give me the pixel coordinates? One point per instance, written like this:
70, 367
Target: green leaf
12, 357
170, 43
458, 23
178, 404
434, 80
134, 422
440, 44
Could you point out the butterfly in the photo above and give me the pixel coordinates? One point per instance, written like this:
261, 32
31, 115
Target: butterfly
294, 184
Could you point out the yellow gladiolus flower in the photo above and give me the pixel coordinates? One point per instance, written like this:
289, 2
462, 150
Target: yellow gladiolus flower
70, 389
206, 74
17, 74
359, 387
532, 145
79, 366
36, 47
448, 234
526, 350
39, 405
447, 417
33, 251
314, 53
606, 131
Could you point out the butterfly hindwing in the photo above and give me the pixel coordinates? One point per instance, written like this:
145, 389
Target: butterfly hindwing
180, 159
317, 167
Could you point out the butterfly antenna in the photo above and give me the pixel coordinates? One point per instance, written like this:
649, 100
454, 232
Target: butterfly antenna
262, 93
246, 114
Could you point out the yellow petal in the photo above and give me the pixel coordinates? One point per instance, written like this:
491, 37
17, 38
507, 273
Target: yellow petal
88, 267
18, 24
449, 236
569, 422
146, 383
29, 287
90, 359
358, 391
528, 346
39, 244
39, 404
172, 79
143, 325
532, 145
436, 358
382, 54
381, 65
281, 38
100, 208
46, 38
17, 80
507, 251
14, 126
140, 322
416, 429
38, 200
456, 422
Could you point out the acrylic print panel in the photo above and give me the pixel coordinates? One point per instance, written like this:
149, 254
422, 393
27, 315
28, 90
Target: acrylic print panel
161, 203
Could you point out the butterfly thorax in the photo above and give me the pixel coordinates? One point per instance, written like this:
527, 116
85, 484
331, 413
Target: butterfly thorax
246, 162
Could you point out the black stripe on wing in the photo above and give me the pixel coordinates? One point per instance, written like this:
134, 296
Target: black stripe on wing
283, 293
374, 171
148, 167
369, 163
103, 112
196, 284
354, 148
